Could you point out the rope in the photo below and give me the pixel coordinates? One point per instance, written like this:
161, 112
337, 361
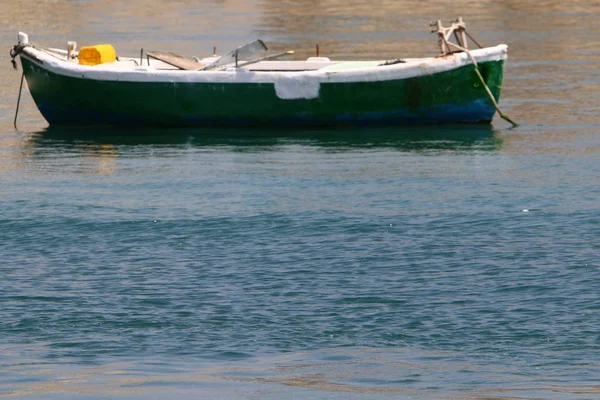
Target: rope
487, 89
19, 99
14, 52
18, 49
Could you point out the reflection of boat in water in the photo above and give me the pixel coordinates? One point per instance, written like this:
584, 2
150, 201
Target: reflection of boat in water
406, 138
248, 87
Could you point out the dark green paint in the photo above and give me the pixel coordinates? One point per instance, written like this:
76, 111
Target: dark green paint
457, 93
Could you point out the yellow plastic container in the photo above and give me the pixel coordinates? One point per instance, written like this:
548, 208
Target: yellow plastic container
98, 54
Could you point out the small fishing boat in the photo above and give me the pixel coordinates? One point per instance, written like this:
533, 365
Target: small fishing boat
248, 86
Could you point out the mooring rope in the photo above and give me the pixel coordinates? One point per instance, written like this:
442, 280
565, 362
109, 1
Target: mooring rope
14, 52
18, 49
19, 99
459, 29
487, 89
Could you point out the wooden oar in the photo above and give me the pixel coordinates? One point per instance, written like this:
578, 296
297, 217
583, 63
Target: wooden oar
264, 58
191, 65
241, 53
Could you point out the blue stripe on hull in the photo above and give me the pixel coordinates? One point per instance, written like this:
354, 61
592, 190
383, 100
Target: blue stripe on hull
478, 111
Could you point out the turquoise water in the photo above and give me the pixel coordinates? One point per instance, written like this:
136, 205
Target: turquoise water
405, 263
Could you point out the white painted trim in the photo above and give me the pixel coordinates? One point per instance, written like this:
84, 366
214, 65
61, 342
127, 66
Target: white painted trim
411, 68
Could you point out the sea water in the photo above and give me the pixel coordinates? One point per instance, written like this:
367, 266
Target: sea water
353, 263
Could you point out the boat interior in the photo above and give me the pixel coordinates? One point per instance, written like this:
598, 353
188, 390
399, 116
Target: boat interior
159, 60
252, 56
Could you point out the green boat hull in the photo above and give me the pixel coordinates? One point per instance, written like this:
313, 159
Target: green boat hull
453, 96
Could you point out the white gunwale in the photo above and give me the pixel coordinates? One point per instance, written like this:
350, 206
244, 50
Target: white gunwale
132, 73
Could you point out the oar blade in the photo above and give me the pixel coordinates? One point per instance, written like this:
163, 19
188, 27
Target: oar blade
245, 52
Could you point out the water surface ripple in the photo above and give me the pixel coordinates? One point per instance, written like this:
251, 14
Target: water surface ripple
406, 263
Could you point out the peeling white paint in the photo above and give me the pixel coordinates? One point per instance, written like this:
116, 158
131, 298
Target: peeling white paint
297, 87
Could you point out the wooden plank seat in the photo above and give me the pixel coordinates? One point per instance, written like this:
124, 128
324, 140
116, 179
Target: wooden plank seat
175, 60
